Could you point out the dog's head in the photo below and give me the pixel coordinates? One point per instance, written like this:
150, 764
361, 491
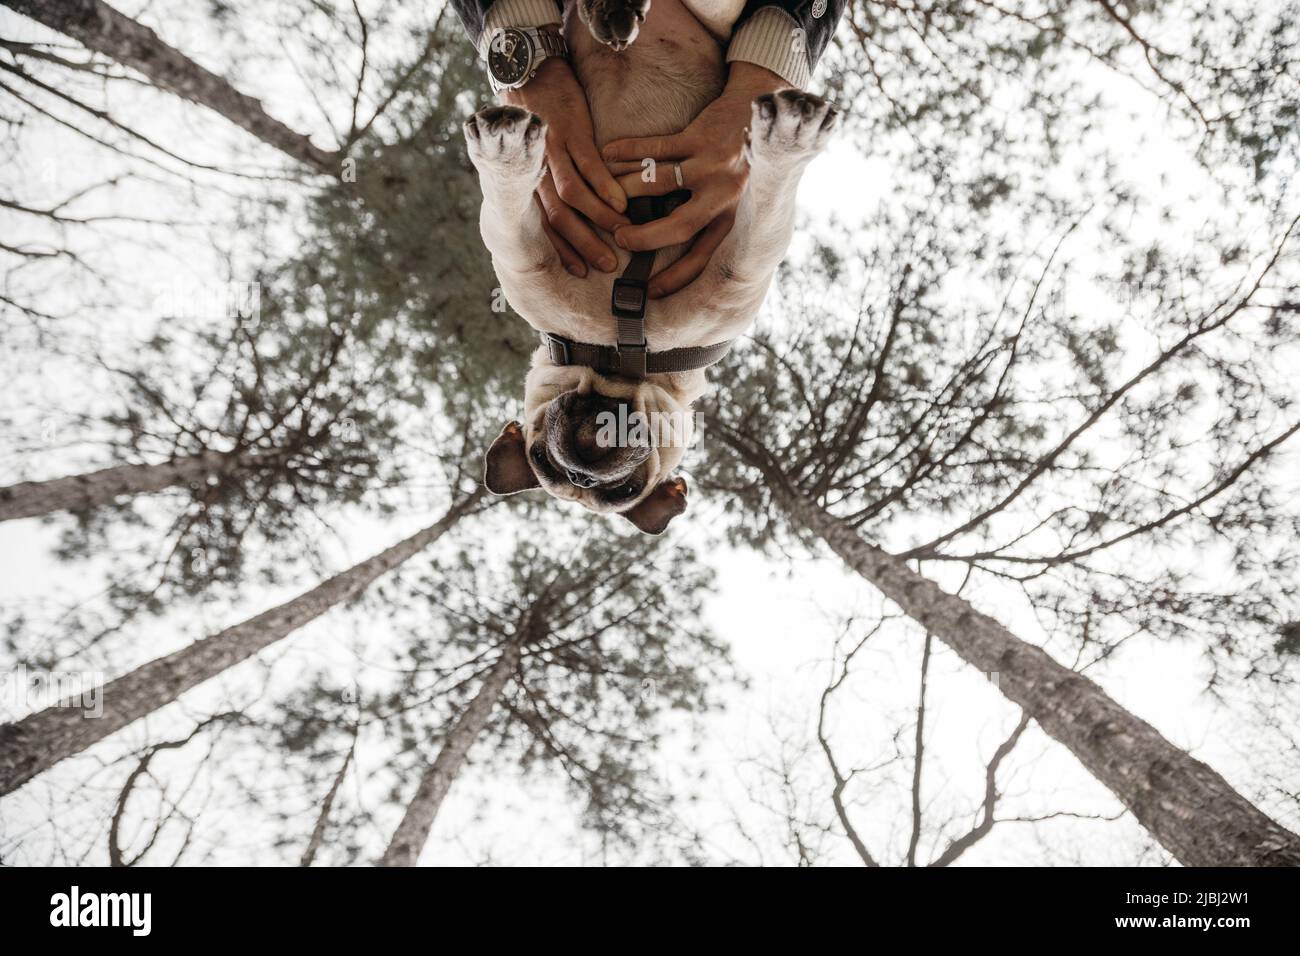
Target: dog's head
610, 444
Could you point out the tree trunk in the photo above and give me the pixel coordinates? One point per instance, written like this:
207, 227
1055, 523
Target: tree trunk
100, 28
1194, 813
94, 489
413, 832
35, 743
323, 817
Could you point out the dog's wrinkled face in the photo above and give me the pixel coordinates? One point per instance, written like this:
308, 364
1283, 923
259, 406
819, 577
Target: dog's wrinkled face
608, 444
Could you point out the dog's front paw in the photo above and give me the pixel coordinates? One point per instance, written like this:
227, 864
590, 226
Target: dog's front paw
614, 23
506, 141
790, 125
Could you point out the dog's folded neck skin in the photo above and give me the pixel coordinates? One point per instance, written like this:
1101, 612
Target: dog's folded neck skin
666, 394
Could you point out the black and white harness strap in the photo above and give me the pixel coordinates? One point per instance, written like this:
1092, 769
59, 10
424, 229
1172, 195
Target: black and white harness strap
629, 357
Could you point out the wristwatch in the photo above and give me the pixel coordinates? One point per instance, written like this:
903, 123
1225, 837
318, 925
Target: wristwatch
515, 53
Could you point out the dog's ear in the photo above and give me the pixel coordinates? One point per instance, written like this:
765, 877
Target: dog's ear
506, 467
665, 503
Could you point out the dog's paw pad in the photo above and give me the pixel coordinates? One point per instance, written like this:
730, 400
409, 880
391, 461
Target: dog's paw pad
791, 121
614, 23
505, 135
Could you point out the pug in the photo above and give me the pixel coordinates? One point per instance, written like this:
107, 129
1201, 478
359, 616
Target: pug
644, 74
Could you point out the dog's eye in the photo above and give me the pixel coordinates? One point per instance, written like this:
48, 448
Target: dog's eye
628, 489
542, 464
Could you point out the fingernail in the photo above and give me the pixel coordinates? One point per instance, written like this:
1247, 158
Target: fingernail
608, 263
576, 271
654, 292
616, 201
619, 240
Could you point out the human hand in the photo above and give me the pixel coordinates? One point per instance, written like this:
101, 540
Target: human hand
710, 154
577, 183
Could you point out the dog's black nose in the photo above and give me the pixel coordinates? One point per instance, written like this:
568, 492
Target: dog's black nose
579, 479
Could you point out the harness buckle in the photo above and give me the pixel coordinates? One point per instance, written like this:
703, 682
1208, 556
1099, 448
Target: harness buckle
559, 349
629, 298
632, 360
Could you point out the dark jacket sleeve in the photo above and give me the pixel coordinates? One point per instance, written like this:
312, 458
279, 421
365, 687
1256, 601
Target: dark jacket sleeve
815, 19
473, 13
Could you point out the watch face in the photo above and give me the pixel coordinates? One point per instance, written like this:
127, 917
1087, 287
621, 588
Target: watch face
509, 55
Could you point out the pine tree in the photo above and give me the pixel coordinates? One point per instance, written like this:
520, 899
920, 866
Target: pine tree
876, 426
37, 742
572, 655
101, 28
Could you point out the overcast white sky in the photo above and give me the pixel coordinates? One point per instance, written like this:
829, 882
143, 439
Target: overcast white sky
778, 619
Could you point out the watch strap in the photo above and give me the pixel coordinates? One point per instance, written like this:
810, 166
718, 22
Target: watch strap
549, 40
